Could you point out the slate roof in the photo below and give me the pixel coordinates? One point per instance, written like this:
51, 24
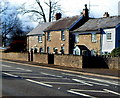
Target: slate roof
97, 23
39, 29
63, 23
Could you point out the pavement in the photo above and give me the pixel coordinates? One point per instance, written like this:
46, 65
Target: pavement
93, 71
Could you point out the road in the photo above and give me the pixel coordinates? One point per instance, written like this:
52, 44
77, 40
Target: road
20, 79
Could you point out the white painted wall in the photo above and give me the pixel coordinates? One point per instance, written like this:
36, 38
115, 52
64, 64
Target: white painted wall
108, 46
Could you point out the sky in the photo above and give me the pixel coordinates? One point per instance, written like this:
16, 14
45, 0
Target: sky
75, 7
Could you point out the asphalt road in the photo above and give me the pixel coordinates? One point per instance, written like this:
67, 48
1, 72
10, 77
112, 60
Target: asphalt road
20, 79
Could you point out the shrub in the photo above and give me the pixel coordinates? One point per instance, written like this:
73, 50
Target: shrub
115, 52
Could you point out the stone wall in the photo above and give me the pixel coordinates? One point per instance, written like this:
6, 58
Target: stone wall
68, 60
113, 62
40, 58
15, 56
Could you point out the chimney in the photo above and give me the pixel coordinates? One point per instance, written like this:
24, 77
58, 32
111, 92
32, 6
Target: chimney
106, 14
58, 16
85, 11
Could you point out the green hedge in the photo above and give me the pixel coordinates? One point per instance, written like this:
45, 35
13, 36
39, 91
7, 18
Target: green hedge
115, 52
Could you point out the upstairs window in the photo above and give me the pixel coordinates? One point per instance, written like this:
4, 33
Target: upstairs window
40, 38
48, 36
62, 35
93, 38
109, 36
76, 38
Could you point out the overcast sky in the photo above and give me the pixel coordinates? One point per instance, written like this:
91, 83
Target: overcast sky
75, 7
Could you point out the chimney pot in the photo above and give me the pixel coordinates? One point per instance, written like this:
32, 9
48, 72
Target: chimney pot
106, 14
58, 16
85, 11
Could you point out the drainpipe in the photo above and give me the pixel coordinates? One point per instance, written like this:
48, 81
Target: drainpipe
101, 40
45, 43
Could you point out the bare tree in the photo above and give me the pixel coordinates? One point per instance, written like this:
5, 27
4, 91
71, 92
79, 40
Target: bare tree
53, 7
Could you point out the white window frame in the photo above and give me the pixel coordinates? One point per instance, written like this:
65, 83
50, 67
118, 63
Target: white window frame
62, 35
40, 38
48, 36
76, 38
94, 37
48, 49
109, 36
41, 50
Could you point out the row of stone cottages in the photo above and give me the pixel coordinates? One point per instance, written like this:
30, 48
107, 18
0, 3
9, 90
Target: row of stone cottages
78, 35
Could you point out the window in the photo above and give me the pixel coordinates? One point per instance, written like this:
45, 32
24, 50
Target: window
62, 35
62, 50
41, 50
48, 36
48, 49
55, 50
109, 36
77, 38
40, 38
35, 50
93, 38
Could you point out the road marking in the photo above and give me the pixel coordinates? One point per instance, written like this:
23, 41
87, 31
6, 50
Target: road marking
5, 65
82, 82
10, 74
97, 91
97, 83
81, 94
39, 83
113, 92
43, 77
100, 80
62, 83
83, 73
24, 69
51, 75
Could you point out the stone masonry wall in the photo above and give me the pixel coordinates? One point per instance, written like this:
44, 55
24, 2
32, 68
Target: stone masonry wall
68, 60
63, 60
15, 56
113, 62
40, 58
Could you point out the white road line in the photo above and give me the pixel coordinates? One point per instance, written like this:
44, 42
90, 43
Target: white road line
44, 77
5, 65
10, 74
97, 91
24, 69
51, 75
81, 94
82, 82
113, 92
97, 83
99, 80
62, 83
39, 83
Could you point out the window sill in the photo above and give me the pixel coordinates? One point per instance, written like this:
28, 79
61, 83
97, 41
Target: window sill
40, 42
